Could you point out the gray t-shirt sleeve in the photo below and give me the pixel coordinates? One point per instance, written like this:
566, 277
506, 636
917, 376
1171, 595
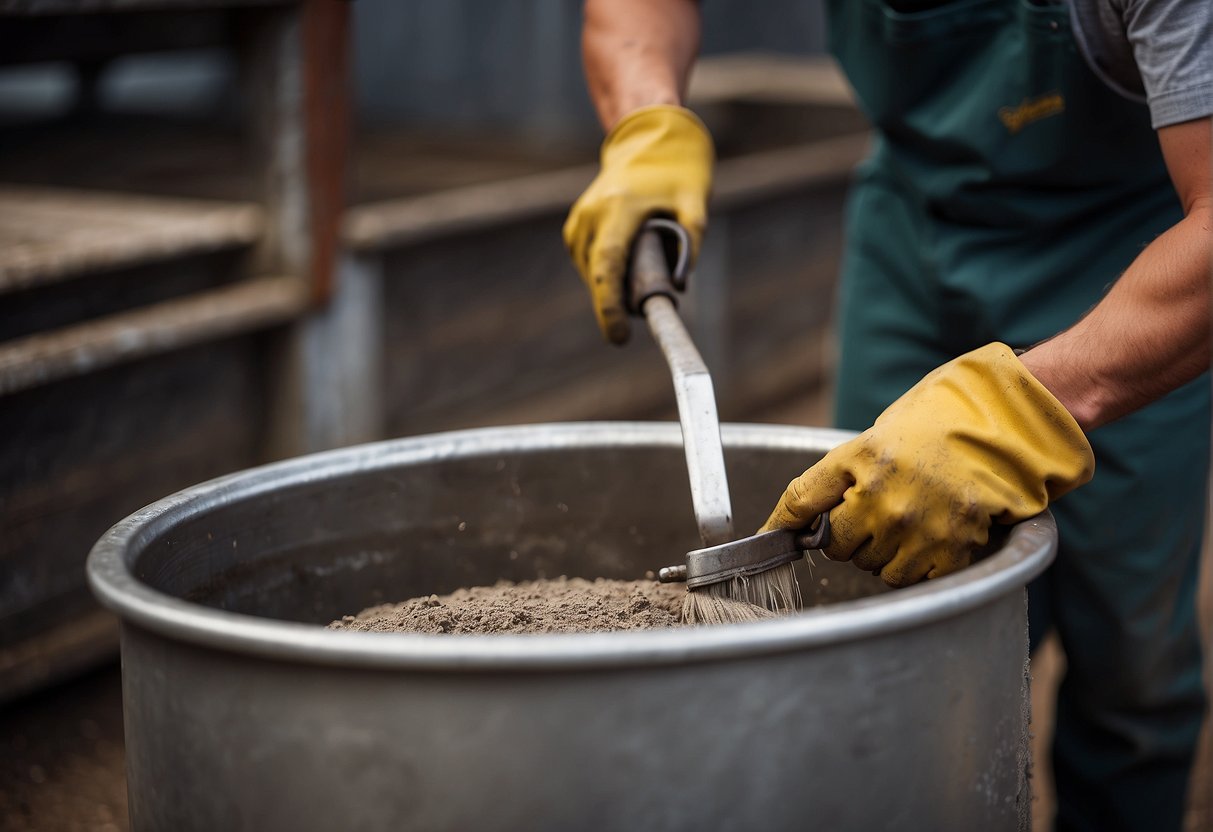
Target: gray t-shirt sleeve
1159, 51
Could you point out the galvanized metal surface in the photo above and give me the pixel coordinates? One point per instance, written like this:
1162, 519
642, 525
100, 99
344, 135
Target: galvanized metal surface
738, 182
41, 7
140, 430
84, 642
875, 710
773, 77
87, 347
517, 64
92, 431
48, 235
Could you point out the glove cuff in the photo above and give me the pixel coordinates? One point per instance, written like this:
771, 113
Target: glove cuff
1071, 462
659, 121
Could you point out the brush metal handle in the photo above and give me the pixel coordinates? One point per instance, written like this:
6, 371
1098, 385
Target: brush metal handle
818, 535
654, 273
748, 556
652, 289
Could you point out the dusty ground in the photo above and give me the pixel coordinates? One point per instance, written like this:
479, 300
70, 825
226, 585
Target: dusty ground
61, 758
558, 605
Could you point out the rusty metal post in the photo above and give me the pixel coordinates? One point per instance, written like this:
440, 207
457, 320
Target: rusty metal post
326, 119
296, 61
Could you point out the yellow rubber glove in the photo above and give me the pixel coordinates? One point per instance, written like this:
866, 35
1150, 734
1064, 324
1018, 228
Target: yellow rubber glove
978, 440
657, 161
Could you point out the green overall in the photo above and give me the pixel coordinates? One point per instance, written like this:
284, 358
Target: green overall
1007, 189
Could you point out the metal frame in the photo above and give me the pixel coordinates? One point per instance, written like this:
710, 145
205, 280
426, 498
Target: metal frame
296, 56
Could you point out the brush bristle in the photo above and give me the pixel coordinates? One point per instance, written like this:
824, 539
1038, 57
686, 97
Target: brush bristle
765, 595
702, 608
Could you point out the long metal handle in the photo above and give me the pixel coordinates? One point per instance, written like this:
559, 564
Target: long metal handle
653, 290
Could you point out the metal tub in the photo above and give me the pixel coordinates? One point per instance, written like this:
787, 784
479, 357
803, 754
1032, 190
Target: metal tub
873, 710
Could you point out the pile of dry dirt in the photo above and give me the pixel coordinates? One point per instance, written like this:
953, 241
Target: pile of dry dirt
561, 605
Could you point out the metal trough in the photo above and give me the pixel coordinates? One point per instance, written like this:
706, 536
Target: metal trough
873, 710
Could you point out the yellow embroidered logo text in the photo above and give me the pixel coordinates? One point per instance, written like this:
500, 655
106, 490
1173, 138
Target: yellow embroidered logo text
1030, 110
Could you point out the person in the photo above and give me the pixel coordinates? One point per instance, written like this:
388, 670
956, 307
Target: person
1027, 155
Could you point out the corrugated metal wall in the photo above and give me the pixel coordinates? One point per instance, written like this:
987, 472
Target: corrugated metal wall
516, 63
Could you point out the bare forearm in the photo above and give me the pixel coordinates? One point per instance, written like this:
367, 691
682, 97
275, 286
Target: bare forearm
1148, 336
638, 53
1151, 333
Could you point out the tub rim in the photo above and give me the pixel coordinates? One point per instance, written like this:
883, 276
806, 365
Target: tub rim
1030, 548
